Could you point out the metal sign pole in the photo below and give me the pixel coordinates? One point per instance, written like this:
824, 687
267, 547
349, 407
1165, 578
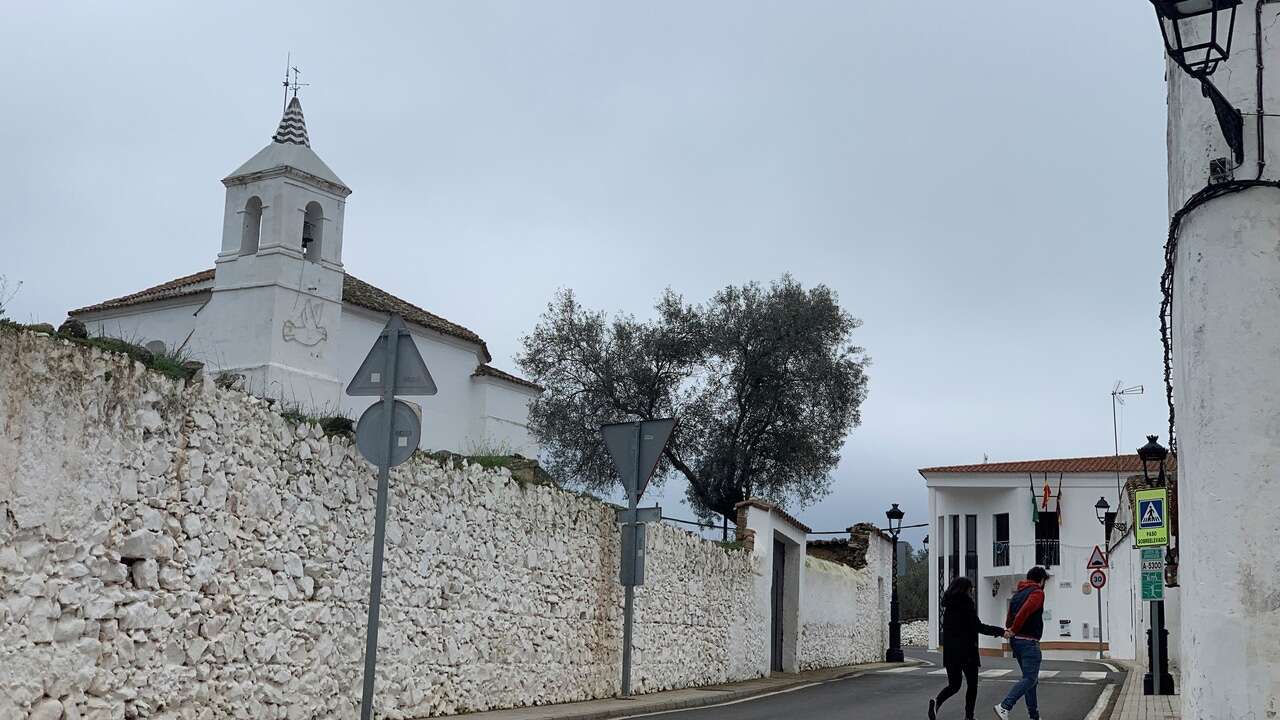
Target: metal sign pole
628, 608
380, 527
1155, 648
1099, 623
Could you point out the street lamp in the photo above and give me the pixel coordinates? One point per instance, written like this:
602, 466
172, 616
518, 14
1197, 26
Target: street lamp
1157, 681
894, 653
1181, 22
1153, 455
1100, 508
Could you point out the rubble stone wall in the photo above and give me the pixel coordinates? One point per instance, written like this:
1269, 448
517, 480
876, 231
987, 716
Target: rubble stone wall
180, 550
843, 619
172, 550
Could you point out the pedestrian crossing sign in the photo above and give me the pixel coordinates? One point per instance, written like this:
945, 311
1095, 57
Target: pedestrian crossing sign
1151, 526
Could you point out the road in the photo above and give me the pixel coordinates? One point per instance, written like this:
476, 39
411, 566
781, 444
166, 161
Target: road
1068, 691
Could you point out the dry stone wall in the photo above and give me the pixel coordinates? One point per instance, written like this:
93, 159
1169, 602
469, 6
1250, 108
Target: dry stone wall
175, 550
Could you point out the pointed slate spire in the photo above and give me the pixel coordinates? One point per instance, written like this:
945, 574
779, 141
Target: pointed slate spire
293, 129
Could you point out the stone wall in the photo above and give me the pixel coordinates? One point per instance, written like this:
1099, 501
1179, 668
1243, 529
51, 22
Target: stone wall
175, 550
844, 618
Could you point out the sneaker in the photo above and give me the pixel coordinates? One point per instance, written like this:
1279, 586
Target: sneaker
933, 710
1001, 712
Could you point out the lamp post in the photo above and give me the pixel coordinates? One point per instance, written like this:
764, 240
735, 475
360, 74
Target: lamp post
1157, 681
894, 653
1100, 508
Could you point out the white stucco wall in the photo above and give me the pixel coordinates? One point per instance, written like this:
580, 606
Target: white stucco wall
457, 417
1226, 315
182, 551
467, 415
845, 616
170, 322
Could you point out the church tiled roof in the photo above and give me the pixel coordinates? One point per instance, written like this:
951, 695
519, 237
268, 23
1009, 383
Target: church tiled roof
354, 291
493, 372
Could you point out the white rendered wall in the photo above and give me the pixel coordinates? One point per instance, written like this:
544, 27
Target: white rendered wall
767, 526
1226, 315
169, 322
454, 418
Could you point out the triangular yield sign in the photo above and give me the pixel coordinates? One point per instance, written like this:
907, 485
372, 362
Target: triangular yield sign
1097, 559
1151, 516
636, 465
412, 376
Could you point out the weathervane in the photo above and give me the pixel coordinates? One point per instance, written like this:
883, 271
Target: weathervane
289, 67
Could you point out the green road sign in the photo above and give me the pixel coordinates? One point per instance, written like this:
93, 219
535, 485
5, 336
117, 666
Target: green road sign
1151, 521
1152, 574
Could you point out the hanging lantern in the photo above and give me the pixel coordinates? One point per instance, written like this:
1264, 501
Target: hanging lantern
1197, 33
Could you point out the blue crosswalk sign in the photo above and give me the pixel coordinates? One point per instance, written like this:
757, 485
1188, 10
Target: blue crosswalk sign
1151, 513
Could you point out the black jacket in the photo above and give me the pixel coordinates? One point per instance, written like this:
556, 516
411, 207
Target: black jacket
960, 628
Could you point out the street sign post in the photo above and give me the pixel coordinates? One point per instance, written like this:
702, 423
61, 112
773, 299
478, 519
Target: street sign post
387, 435
1151, 521
1153, 591
636, 448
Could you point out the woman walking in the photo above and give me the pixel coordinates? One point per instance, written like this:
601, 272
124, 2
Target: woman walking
960, 628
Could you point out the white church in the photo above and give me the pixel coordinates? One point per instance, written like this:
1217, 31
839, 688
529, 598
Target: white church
279, 309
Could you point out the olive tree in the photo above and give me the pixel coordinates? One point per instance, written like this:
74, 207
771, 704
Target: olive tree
765, 382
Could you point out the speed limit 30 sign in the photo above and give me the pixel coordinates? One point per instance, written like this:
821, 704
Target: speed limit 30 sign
1097, 579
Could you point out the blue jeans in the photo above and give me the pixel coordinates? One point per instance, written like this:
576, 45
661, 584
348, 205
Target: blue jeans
1027, 653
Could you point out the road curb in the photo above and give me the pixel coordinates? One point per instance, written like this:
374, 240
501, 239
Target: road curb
716, 697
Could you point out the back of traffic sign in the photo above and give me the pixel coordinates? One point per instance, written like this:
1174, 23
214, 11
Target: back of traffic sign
636, 448
412, 376
371, 434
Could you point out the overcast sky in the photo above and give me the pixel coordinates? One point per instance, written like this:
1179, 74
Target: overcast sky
982, 183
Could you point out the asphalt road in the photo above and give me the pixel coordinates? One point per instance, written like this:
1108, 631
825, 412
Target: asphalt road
1066, 693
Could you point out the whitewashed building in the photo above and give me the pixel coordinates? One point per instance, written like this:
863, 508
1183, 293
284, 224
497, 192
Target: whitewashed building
983, 526
279, 309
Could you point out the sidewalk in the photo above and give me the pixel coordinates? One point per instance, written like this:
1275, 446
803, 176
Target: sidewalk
1133, 705
681, 699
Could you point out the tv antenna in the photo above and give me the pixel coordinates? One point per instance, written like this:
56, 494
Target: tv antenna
1118, 393
289, 67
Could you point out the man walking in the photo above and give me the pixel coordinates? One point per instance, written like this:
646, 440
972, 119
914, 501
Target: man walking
1025, 625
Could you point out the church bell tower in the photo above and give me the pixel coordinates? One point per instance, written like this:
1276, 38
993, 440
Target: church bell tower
277, 294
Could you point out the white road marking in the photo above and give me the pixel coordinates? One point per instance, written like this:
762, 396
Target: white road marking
1048, 674
1101, 706
1093, 675
938, 672
898, 670
994, 673
1109, 666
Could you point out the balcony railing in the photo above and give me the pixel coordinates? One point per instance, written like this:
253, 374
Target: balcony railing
1000, 554
1048, 553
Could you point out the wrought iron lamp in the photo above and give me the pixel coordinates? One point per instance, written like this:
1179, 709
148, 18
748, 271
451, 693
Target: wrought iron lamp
1183, 22
894, 653
1153, 455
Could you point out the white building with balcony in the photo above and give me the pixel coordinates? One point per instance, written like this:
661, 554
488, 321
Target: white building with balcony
983, 526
